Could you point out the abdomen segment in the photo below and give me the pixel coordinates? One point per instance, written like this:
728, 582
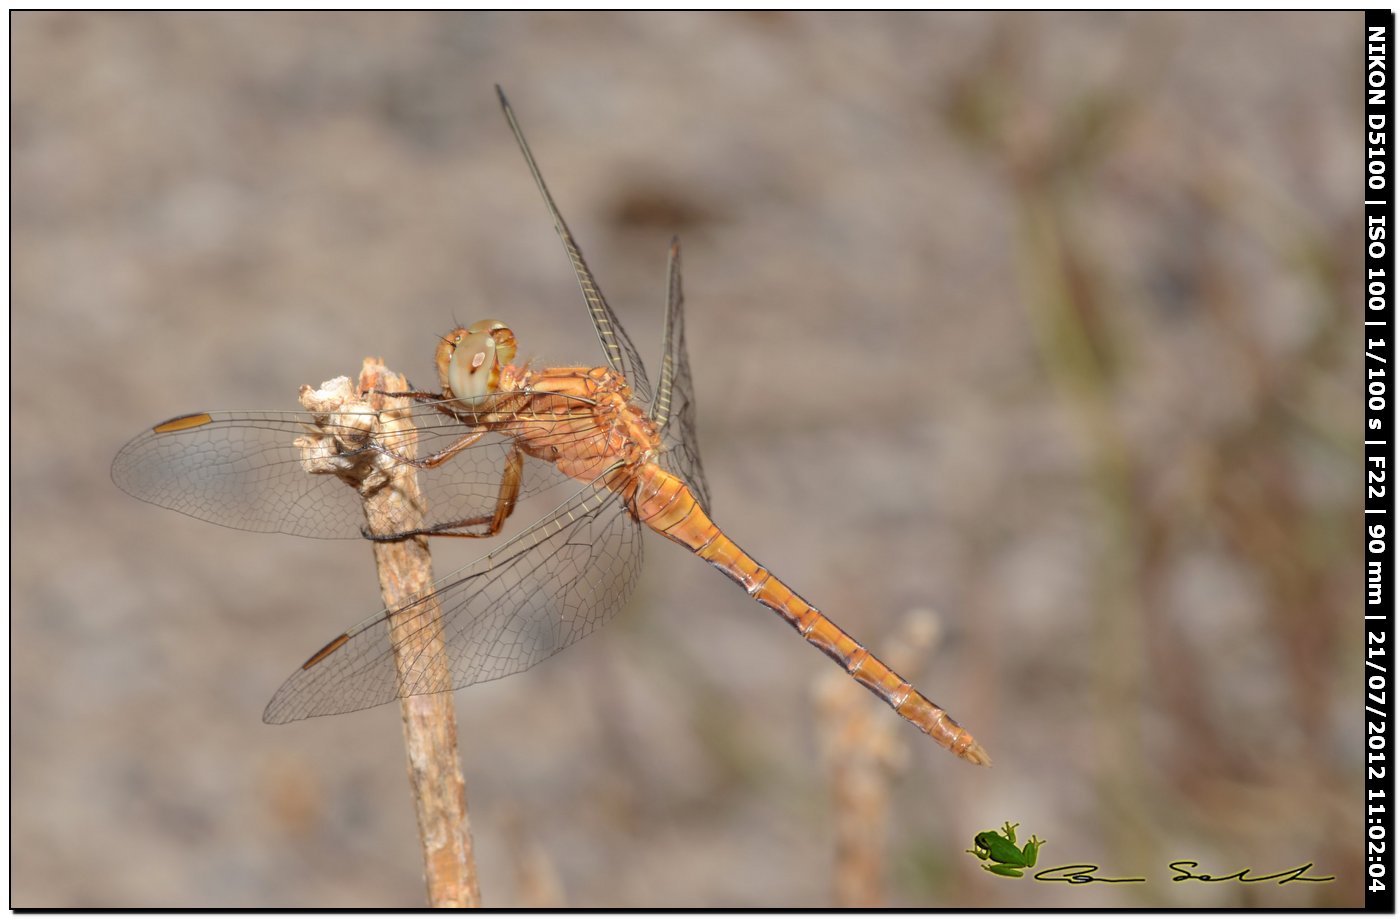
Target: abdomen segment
664, 503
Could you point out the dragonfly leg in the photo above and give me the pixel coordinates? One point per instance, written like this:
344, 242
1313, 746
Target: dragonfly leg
415, 394
434, 460
506, 497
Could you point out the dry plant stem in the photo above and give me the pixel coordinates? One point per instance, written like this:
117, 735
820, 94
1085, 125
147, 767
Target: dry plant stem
537, 883
429, 720
863, 752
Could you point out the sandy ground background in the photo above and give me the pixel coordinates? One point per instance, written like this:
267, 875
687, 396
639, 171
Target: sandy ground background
1046, 324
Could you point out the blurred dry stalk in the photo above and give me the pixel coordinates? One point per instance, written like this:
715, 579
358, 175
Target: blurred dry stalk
1238, 491
429, 720
537, 884
1048, 160
863, 752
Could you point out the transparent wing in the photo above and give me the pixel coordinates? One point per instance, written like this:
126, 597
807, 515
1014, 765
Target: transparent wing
530, 598
617, 347
674, 407
249, 470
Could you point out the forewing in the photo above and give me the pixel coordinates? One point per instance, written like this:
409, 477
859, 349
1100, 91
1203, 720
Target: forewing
504, 613
674, 407
248, 471
621, 355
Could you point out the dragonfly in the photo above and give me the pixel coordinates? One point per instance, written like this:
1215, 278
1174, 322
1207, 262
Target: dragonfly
623, 454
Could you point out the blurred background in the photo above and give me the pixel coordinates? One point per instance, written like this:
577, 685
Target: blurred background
1024, 346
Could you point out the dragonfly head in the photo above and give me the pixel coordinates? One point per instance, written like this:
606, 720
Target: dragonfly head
469, 361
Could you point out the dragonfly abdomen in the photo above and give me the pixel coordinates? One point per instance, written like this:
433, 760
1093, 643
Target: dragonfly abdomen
664, 502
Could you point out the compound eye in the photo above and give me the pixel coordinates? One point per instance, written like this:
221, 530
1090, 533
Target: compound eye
501, 334
473, 371
478, 354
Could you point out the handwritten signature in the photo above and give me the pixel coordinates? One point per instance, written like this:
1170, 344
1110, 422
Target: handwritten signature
1283, 877
1084, 874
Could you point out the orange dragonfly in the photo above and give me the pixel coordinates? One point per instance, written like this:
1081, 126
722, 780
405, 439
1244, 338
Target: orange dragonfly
624, 454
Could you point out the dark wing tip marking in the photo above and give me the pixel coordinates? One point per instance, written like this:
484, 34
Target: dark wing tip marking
325, 652
182, 423
617, 347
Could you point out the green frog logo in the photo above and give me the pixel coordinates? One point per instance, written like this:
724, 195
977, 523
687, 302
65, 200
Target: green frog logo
1000, 849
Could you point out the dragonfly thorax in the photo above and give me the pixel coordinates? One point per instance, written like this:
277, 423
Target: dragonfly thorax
469, 360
